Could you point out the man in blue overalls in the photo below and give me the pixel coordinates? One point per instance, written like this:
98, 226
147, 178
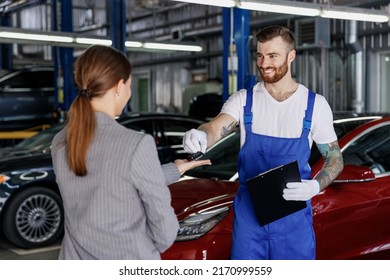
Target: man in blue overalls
279, 120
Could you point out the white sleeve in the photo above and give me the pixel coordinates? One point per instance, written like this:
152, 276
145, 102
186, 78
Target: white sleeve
234, 105
322, 127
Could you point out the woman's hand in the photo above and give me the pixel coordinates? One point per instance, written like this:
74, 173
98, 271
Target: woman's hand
184, 165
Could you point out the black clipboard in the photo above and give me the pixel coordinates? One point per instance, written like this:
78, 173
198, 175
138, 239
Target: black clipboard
266, 190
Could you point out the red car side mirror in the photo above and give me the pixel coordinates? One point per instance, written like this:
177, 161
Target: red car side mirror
355, 173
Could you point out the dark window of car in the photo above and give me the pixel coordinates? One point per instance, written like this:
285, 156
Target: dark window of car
42, 139
33, 79
341, 127
174, 130
148, 126
224, 158
145, 126
371, 150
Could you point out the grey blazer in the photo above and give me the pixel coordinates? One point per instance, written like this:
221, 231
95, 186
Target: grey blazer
122, 208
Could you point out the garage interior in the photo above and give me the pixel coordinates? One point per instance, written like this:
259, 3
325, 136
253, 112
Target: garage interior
344, 60
347, 61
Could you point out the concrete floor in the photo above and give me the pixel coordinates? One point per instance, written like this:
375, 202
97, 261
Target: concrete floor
9, 252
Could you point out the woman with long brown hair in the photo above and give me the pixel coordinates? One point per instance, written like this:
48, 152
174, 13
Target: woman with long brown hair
116, 202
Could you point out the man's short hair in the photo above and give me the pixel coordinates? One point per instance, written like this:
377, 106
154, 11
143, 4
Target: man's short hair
270, 32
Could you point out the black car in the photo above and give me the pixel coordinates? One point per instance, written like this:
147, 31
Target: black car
206, 105
27, 98
167, 130
31, 213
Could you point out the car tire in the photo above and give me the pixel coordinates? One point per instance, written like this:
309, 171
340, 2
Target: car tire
34, 217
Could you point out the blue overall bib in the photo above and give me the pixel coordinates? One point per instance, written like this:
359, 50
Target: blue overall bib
291, 237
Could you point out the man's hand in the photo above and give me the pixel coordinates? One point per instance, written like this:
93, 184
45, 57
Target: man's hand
195, 141
301, 191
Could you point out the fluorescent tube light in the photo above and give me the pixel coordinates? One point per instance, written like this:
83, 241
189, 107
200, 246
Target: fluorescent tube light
350, 15
93, 41
133, 44
15, 35
312, 9
300, 8
172, 47
219, 3
275, 7
36, 37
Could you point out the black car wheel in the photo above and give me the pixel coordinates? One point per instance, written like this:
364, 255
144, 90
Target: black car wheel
33, 218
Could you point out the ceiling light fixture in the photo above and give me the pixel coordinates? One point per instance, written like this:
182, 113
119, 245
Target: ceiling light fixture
36, 37
93, 41
354, 15
219, 3
301, 8
133, 44
62, 39
172, 47
275, 7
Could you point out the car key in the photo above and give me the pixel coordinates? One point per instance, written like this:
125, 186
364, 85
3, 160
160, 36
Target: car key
195, 156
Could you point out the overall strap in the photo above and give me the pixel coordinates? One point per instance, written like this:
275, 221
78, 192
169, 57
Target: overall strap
308, 113
248, 111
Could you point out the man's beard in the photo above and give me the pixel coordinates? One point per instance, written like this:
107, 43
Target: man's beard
279, 73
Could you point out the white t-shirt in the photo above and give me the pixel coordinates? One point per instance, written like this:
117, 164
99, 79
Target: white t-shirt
282, 119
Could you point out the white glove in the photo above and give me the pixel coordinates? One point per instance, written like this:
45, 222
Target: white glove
302, 191
194, 141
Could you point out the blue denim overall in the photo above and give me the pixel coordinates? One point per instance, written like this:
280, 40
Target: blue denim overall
291, 237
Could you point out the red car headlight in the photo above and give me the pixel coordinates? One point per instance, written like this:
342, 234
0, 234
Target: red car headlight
198, 224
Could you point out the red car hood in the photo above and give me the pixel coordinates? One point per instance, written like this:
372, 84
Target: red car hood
188, 196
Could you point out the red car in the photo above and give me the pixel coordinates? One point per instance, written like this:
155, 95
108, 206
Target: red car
351, 217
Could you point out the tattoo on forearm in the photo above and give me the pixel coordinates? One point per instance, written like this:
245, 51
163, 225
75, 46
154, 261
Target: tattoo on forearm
333, 163
227, 129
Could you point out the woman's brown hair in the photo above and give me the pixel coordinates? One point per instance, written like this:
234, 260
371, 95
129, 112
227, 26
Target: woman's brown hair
97, 70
